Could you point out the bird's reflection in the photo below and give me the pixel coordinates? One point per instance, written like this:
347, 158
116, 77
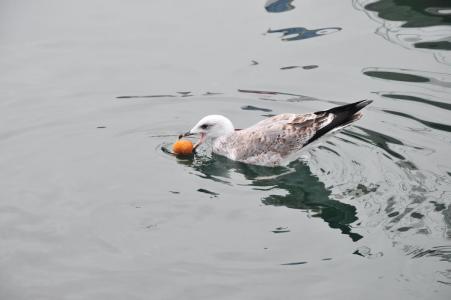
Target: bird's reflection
303, 190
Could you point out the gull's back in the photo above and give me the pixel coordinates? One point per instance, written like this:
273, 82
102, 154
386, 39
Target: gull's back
271, 141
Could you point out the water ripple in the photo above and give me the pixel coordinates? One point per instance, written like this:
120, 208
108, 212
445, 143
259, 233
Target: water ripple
444, 252
413, 24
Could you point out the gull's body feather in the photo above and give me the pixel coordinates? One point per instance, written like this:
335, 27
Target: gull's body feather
272, 141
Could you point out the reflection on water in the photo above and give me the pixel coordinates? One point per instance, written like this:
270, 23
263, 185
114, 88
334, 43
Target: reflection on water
378, 139
302, 33
205, 191
444, 252
413, 13
421, 203
276, 6
294, 187
413, 24
294, 263
407, 201
439, 45
289, 67
179, 94
415, 196
426, 99
280, 96
309, 67
305, 191
414, 76
252, 107
258, 92
396, 76
438, 126
145, 96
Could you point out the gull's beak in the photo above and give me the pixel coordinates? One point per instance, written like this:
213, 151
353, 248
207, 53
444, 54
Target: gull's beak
188, 133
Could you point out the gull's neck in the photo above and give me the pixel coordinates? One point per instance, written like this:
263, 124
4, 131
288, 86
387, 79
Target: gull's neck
227, 127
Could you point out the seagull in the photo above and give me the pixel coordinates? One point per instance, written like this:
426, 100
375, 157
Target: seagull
276, 140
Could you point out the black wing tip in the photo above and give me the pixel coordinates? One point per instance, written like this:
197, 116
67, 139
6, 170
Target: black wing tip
361, 104
343, 115
350, 108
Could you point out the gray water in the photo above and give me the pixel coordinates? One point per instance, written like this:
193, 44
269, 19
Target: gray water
92, 92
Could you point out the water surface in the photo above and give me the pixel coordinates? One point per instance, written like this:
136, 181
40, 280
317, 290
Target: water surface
92, 208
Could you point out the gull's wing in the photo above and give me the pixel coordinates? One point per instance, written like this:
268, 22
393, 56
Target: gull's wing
271, 140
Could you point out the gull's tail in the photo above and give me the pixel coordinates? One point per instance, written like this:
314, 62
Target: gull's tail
342, 116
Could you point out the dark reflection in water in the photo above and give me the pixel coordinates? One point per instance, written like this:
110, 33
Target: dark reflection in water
415, 13
283, 97
366, 252
375, 138
396, 76
295, 263
440, 45
438, 104
408, 75
145, 96
180, 94
276, 6
266, 92
251, 107
185, 94
211, 93
309, 67
434, 125
444, 252
205, 191
303, 190
289, 67
281, 230
407, 209
302, 33
414, 24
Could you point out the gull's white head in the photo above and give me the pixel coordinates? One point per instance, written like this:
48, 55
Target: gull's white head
212, 126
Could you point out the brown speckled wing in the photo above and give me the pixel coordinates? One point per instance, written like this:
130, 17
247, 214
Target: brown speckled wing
271, 140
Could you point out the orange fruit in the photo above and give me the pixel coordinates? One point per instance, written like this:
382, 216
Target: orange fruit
182, 147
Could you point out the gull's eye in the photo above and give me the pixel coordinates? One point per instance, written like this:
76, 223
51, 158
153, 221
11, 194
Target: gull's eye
204, 126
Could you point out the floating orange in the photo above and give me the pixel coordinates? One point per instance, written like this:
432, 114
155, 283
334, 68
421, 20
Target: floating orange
182, 147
